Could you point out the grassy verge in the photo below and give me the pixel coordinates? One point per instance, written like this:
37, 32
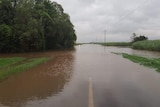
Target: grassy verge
4, 62
116, 44
19, 68
150, 62
153, 45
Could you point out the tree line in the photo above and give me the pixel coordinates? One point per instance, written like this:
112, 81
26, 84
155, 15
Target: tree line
34, 25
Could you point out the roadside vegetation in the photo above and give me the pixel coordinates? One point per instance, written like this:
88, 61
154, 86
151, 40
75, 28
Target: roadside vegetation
4, 62
137, 42
34, 25
116, 44
153, 45
134, 39
149, 62
9, 68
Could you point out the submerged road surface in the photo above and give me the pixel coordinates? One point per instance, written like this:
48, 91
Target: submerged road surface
89, 76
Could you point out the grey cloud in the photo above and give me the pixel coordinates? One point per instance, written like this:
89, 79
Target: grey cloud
119, 18
87, 2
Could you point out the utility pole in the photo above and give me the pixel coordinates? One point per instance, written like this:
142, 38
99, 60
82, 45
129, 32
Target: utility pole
105, 35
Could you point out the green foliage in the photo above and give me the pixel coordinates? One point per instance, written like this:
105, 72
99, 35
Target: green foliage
34, 25
4, 62
5, 38
154, 63
136, 38
153, 45
6, 12
21, 67
5, 31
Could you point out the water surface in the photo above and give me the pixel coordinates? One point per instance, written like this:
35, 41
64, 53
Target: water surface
63, 81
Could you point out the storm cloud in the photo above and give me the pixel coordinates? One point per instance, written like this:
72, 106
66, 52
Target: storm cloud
120, 18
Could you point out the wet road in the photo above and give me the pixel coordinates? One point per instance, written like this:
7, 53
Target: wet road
64, 81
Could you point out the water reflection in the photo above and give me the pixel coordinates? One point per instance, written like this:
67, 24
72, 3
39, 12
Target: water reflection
38, 83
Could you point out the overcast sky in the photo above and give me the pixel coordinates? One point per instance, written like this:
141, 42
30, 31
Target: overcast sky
120, 19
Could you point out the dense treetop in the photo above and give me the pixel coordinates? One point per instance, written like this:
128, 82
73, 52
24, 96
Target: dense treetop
34, 25
136, 38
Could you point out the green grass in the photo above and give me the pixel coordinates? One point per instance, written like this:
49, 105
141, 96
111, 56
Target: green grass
149, 62
153, 45
22, 67
116, 44
4, 62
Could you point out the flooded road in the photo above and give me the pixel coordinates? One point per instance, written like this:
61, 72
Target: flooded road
64, 81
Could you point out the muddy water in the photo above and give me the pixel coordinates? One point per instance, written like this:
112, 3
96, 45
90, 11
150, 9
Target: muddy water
144, 53
38, 83
63, 81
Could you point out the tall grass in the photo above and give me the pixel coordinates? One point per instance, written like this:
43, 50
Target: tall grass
19, 68
153, 45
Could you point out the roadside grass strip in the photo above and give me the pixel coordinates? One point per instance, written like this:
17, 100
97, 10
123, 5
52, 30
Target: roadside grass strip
22, 67
149, 62
4, 62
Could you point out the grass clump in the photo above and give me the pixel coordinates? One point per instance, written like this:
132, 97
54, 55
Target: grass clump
22, 67
153, 45
4, 62
150, 62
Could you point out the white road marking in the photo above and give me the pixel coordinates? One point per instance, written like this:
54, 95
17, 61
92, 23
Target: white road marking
91, 99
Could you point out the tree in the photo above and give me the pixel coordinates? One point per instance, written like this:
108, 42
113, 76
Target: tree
6, 37
136, 38
28, 29
6, 12
34, 25
61, 33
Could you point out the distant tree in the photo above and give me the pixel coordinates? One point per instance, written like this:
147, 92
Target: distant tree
133, 36
136, 38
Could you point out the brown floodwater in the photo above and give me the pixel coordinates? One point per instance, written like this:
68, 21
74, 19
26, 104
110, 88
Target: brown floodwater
63, 81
